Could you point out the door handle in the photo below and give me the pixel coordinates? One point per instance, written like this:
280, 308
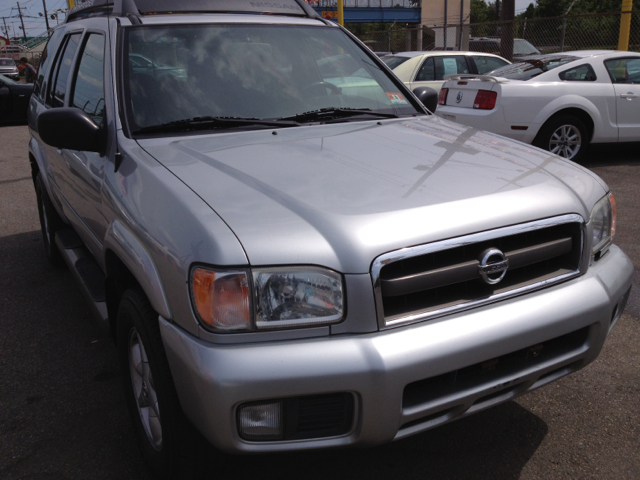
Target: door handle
628, 96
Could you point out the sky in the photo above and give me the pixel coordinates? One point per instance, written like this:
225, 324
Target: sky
35, 24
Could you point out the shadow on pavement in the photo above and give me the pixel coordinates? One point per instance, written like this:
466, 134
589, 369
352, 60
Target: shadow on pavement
612, 154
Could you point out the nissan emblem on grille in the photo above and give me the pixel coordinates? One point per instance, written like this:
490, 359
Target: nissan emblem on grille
493, 266
459, 97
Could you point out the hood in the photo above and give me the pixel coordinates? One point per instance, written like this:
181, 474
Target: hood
340, 195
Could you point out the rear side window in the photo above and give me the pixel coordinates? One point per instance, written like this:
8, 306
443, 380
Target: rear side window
583, 73
47, 56
61, 71
88, 90
435, 68
487, 64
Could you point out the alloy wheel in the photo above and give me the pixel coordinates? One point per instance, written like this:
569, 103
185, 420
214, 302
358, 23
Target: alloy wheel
566, 141
144, 390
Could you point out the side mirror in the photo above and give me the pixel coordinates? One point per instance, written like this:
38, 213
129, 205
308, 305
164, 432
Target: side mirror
428, 97
71, 129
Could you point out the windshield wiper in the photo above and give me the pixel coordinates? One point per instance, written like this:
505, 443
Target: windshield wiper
209, 123
331, 113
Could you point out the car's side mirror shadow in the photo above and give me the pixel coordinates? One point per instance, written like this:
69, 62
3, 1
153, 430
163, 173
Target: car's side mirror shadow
427, 96
71, 129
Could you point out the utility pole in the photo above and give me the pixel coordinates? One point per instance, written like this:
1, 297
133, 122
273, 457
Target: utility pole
46, 17
6, 30
507, 30
24, 32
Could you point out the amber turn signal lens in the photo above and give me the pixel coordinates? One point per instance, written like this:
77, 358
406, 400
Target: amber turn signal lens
222, 299
612, 200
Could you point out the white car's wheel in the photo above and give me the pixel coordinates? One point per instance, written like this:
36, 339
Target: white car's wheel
566, 136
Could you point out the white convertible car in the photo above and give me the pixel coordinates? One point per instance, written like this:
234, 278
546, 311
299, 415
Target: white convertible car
560, 102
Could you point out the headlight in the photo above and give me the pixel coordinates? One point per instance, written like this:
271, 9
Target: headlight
603, 221
282, 297
295, 296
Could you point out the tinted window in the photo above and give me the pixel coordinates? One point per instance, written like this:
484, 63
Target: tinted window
88, 91
427, 72
435, 68
61, 71
583, 73
393, 62
487, 64
624, 70
532, 67
47, 55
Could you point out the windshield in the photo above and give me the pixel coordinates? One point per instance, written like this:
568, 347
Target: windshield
532, 67
393, 61
7, 62
251, 72
522, 47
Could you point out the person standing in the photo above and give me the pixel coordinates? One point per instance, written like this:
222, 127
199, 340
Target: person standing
29, 71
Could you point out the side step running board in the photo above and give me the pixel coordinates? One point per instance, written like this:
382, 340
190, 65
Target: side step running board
86, 271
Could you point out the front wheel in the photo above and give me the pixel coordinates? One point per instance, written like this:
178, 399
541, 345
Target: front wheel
566, 136
150, 393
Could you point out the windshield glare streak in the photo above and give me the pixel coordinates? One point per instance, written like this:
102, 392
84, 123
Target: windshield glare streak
249, 71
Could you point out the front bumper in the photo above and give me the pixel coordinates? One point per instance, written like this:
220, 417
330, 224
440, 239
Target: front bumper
213, 380
12, 75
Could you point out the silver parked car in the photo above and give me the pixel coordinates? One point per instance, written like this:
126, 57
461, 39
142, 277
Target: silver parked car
288, 249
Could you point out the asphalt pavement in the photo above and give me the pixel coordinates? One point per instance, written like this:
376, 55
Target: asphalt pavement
63, 417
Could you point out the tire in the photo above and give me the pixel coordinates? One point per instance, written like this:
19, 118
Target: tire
50, 223
566, 136
149, 389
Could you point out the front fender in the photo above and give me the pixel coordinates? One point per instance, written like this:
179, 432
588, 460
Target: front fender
132, 253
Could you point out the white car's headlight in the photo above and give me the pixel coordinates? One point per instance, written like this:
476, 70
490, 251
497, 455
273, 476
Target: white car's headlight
603, 221
283, 297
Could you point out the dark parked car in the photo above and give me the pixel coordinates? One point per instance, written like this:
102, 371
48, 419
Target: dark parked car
14, 100
521, 47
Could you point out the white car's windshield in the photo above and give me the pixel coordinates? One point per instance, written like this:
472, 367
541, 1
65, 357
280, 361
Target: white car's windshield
266, 72
394, 61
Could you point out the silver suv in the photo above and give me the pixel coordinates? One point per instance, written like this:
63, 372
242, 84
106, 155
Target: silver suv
290, 251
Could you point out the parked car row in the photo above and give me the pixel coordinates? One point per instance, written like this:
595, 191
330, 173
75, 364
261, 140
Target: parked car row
558, 102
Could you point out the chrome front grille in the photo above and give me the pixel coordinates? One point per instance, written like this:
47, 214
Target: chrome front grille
422, 282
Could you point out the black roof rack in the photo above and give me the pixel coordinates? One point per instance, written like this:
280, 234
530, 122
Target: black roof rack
125, 8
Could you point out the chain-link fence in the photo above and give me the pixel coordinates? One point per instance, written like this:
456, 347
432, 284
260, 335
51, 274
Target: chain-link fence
548, 35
